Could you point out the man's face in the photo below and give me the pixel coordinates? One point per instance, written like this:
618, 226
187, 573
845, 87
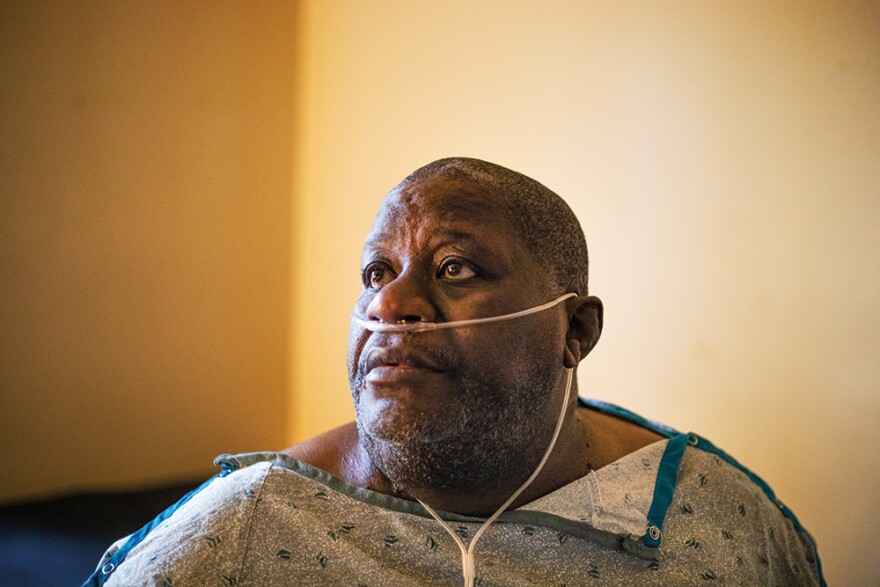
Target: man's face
455, 406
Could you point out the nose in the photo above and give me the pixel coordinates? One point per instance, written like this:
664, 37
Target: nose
404, 299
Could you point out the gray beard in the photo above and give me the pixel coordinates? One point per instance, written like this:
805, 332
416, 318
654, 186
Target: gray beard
493, 439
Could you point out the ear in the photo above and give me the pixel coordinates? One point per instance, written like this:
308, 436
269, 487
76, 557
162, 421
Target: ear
584, 328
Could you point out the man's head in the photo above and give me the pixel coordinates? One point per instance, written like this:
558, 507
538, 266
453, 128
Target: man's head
466, 407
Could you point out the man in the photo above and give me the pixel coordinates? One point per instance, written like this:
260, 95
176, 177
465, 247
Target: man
474, 313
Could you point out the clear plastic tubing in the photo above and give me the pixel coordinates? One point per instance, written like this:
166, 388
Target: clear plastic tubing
467, 552
379, 326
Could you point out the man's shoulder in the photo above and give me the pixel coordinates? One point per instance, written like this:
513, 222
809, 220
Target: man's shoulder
333, 451
713, 509
198, 538
723, 511
722, 480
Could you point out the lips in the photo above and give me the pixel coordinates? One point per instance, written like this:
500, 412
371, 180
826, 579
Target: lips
399, 358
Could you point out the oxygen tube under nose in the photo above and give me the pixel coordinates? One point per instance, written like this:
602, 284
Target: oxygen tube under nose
467, 552
379, 326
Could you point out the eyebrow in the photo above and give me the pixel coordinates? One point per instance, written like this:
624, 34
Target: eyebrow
447, 238
372, 242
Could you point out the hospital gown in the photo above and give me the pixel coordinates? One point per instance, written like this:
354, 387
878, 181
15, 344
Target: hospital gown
676, 512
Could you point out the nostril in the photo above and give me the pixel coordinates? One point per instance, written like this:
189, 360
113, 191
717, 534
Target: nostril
410, 318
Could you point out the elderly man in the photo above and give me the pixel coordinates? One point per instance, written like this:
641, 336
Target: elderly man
473, 459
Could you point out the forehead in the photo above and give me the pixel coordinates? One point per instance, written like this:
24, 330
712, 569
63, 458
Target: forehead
441, 206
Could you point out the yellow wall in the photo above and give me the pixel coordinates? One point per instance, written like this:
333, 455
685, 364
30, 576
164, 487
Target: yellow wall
146, 155
723, 158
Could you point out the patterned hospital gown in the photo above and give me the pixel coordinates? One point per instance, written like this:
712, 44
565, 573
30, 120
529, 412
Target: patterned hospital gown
676, 512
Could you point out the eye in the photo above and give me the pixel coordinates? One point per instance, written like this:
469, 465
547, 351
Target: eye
456, 271
376, 275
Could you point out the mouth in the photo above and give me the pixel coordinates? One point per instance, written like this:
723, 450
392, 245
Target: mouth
387, 365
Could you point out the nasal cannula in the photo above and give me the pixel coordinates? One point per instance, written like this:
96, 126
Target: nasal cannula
467, 552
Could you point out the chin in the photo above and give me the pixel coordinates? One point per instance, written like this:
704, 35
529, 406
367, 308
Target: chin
400, 427
457, 463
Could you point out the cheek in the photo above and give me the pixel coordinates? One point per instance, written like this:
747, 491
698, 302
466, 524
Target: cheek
364, 299
518, 347
357, 338
490, 364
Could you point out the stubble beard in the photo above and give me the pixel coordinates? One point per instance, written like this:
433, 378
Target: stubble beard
490, 439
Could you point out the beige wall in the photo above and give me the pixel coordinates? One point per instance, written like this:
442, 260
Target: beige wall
723, 159
145, 150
